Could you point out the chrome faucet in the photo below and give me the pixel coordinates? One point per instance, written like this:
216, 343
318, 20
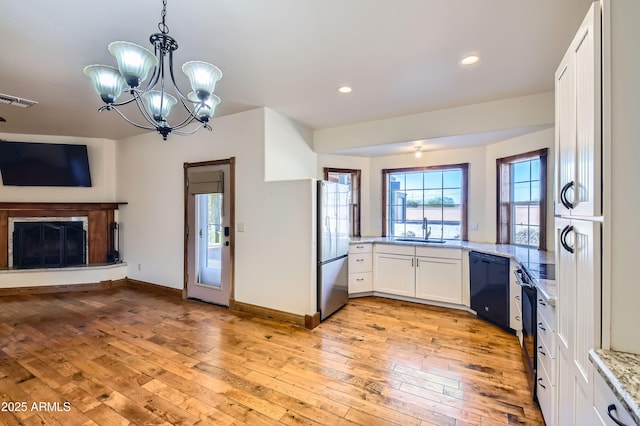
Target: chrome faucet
426, 229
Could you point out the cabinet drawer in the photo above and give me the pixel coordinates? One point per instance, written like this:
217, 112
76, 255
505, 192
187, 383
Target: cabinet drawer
443, 253
602, 399
515, 312
360, 262
360, 282
546, 359
548, 312
360, 248
546, 336
396, 249
546, 395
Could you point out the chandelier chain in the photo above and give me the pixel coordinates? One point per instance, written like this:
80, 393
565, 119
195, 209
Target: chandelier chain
162, 26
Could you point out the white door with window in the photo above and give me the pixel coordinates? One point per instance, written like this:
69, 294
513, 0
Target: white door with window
208, 257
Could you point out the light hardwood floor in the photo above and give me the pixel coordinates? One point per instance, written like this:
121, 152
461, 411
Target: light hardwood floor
126, 356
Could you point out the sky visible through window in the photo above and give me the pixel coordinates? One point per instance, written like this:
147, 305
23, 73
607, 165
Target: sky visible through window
435, 195
525, 205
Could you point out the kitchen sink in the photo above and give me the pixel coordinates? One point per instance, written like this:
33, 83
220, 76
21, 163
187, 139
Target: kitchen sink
417, 240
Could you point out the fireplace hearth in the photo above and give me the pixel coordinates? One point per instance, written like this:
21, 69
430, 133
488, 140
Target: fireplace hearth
49, 244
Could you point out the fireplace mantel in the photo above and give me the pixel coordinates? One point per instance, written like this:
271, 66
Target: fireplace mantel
99, 216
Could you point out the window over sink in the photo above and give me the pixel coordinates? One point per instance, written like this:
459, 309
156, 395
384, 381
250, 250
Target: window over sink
425, 202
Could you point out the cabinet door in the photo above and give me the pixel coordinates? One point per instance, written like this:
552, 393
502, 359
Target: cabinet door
439, 279
578, 123
578, 313
394, 274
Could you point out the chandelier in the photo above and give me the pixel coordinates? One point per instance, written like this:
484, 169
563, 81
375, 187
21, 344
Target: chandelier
134, 64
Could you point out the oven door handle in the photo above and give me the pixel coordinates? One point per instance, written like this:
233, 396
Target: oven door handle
522, 279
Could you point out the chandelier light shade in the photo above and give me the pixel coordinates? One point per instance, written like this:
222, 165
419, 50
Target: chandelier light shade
135, 64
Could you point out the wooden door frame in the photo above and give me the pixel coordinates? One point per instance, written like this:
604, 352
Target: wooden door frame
232, 220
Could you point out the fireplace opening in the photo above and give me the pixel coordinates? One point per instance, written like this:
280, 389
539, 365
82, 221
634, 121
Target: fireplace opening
48, 244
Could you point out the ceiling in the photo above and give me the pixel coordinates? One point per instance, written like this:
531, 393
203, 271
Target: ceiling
401, 57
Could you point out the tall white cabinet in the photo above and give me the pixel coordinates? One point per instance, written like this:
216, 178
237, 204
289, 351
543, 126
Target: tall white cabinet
578, 210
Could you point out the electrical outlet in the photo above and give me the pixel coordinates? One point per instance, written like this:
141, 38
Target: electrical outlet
473, 226
240, 227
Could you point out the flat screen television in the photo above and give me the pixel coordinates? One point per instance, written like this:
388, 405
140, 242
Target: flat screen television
44, 164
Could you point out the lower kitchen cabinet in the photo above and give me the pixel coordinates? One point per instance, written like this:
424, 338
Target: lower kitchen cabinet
439, 278
515, 300
394, 274
547, 362
360, 268
608, 409
432, 274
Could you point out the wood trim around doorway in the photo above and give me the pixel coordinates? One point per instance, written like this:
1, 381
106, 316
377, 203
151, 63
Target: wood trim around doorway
232, 220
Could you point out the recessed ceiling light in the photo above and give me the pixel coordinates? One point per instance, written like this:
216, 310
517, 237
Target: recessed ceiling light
345, 89
469, 60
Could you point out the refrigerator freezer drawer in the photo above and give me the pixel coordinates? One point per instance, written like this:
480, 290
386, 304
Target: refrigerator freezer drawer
333, 286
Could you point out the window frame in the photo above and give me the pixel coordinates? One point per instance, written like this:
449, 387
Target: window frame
504, 203
464, 201
355, 203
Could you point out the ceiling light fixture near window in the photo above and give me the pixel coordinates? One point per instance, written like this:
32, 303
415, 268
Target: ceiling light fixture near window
345, 89
418, 153
469, 60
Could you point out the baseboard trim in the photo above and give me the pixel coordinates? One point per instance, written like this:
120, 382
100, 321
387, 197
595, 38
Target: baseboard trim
65, 288
306, 321
154, 288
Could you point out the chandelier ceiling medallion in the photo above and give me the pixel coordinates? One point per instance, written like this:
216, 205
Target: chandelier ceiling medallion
134, 64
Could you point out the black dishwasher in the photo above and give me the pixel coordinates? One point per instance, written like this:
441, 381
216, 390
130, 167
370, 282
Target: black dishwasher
489, 276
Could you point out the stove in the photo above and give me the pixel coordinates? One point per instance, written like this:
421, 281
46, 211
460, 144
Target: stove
542, 271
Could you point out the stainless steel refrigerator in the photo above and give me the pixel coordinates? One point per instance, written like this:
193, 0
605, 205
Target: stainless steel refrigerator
333, 246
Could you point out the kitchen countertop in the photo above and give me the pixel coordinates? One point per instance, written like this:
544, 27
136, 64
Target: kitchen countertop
621, 372
523, 255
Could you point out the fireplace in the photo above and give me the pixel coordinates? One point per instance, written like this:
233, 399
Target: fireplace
48, 244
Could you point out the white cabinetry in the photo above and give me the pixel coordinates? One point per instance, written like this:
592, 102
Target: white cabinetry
515, 300
439, 274
607, 407
546, 388
394, 269
578, 209
578, 277
578, 123
427, 273
360, 268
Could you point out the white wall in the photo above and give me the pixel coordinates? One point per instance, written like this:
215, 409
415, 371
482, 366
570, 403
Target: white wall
623, 209
522, 112
288, 152
274, 256
482, 179
102, 163
474, 156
